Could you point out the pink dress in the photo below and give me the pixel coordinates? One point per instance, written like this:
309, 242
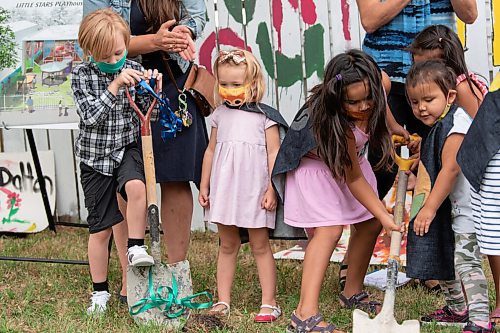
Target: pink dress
313, 198
240, 175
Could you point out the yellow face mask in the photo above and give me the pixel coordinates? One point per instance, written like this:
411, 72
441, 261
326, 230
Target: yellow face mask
233, 96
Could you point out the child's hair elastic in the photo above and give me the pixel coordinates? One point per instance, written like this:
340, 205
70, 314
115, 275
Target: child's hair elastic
237, 56
338, 77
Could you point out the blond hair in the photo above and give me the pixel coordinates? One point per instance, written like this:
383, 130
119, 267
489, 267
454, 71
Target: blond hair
253, 74
98, 31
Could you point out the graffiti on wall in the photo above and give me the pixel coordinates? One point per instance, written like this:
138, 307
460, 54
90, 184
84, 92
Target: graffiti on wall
20, 198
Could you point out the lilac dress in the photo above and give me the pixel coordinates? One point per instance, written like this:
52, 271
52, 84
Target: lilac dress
240, 174
313, 198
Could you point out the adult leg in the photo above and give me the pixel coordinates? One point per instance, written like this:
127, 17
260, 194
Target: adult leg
226, 262
176, 215
316, 260
266, 266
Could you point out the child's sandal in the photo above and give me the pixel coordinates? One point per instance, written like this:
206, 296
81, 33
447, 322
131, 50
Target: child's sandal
309, 325
220, 312
268, 317
343, 276
356, 302
495, 316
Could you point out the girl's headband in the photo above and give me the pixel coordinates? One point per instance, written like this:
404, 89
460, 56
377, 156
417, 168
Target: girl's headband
237, 56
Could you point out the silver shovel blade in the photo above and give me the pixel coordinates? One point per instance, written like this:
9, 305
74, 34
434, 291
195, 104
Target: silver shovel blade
382, 323
138, 289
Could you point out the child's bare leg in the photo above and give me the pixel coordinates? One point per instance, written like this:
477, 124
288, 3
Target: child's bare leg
495, 270
266, 266
120, 235
226, 262
98, 255
316, 260
361, 246
136, 208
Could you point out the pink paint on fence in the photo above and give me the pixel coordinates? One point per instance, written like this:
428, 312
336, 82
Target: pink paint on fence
345, 19
226, 37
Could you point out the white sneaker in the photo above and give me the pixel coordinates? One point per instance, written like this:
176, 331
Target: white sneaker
98, 303
137, 256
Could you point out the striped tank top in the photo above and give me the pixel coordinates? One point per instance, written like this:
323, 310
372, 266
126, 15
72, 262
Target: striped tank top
387, 45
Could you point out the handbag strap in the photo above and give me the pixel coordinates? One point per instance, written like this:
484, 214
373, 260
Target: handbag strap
165, 55
170, 73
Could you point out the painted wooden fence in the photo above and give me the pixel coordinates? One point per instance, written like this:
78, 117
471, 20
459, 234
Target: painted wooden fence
294, 40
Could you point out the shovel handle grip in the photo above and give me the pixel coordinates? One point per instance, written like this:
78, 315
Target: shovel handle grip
404, 163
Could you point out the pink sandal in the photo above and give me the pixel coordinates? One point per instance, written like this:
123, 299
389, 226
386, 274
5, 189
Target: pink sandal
495, 316
268, 317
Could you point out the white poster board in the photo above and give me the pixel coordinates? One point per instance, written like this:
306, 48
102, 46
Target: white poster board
37, 89
21, 204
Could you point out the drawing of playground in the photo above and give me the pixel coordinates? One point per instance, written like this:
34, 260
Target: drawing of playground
39, 88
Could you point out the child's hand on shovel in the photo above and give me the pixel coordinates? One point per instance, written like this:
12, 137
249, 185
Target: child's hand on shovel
389, 225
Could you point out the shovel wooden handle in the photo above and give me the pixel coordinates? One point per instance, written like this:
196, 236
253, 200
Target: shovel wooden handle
153, 216
396, 236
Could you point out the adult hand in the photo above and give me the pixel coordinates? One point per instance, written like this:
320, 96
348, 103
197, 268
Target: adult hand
170, 41
189, 53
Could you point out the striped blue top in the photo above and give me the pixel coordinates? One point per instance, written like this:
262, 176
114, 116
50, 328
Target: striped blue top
387, 44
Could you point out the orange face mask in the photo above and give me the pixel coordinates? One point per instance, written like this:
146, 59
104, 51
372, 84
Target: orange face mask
359, 115
233, 96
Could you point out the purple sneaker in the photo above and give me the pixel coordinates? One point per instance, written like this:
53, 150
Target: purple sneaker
446, 316
473, 328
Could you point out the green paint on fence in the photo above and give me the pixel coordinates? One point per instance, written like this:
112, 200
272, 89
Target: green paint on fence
235, 10
266, 51
313, 43
290, 69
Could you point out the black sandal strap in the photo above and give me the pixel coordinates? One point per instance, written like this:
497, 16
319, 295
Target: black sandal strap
356, 302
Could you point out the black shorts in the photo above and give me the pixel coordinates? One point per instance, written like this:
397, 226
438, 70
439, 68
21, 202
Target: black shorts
100, 190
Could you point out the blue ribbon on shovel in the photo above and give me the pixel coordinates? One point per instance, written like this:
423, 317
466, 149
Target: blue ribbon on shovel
168, 119
156, 300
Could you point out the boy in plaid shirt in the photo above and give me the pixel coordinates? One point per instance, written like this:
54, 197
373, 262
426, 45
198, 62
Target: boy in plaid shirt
110, 158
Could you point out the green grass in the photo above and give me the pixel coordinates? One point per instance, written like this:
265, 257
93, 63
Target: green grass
37, 297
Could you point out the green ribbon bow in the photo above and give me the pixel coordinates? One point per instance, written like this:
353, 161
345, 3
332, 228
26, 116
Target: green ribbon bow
156, 300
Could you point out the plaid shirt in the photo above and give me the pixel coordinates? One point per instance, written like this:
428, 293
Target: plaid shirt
107, 122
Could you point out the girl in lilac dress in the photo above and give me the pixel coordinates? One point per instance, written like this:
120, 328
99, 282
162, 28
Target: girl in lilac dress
236, 189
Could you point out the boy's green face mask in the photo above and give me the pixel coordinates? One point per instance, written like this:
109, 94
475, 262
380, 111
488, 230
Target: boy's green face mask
108, 68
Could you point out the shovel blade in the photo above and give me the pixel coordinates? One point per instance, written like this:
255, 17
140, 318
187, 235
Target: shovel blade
382, 323
138, 288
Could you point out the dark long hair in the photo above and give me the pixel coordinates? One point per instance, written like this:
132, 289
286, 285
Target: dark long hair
331, 124
441, 37
158, 12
